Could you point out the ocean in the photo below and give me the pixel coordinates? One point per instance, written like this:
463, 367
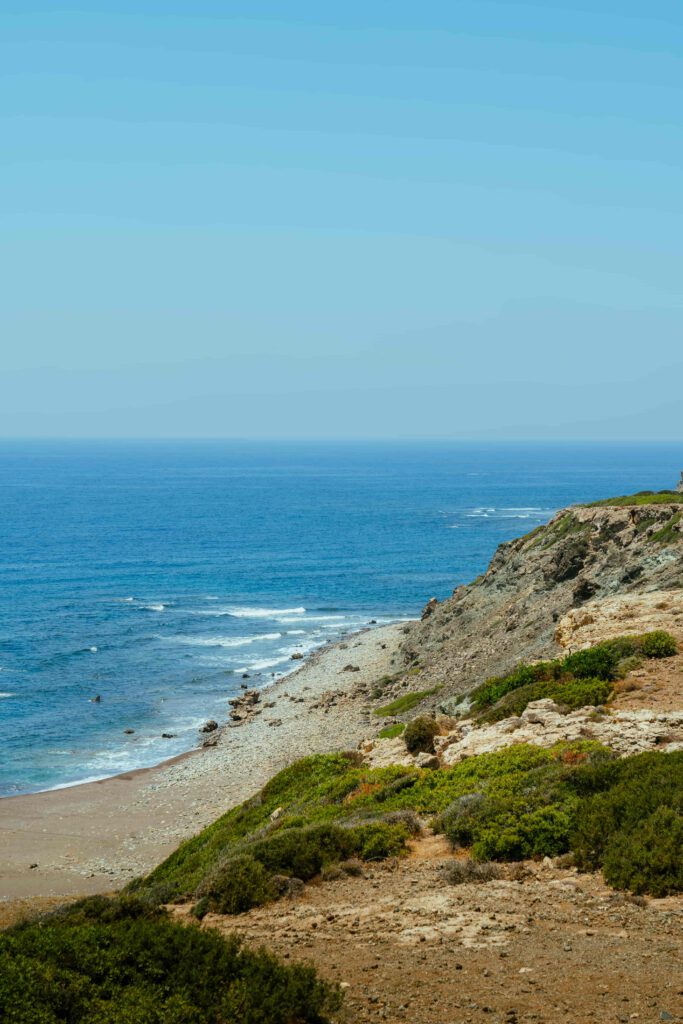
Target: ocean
156, 574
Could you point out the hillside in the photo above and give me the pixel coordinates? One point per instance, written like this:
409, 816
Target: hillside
506, 842
614, 562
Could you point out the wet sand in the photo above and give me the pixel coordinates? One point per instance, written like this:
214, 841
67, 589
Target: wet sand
98, 836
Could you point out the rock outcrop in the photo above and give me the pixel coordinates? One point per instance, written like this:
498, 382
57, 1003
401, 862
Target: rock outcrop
541, 592
542, 724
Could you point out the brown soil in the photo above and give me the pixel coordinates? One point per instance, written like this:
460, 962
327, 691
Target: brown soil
407, 946
656, 685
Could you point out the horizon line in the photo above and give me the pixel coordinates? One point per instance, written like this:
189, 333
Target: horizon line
332, 439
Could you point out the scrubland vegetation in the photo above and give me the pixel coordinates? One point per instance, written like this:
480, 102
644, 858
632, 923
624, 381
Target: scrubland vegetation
578, 680
124, 960
121, 962
641, 498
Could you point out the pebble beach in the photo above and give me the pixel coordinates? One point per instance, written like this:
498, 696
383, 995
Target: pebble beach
95, 837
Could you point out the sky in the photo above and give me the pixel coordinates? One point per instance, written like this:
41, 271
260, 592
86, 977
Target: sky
359, 219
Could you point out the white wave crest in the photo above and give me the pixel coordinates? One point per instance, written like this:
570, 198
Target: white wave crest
263, 613
259, 666
7, 694
312, 618
223, 641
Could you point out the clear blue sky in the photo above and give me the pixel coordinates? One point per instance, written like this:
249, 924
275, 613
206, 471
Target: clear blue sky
342, 219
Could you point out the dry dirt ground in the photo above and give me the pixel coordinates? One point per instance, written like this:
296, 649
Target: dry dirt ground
656, 685
409, 947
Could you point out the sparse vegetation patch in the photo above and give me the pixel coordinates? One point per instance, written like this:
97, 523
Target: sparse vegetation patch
390, 732
405, 703
641, 498
578, 680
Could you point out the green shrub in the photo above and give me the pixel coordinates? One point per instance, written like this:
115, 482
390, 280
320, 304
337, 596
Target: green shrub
236, 885
240, 882
419, 735
137, 971
352, 868
649, 857
527, 818
631, 822
379, 840
581, 693
302, 852
494, 689
599, 662
658, 645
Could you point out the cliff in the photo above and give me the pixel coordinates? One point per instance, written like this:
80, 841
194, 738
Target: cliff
618, 563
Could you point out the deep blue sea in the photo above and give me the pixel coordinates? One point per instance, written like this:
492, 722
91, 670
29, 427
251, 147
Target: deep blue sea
156, 574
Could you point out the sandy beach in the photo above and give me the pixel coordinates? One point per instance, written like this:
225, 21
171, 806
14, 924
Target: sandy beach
97, 836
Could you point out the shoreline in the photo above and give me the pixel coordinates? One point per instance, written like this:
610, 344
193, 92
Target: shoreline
270, 686
96, 836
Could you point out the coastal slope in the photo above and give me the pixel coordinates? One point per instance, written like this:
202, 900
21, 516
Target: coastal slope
617, 563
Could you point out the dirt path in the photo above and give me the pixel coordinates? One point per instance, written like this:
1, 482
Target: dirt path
554, 947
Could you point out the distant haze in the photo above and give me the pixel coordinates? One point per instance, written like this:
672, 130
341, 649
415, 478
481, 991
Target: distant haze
360, 219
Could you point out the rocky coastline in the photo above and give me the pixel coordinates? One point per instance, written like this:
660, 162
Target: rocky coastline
97, 836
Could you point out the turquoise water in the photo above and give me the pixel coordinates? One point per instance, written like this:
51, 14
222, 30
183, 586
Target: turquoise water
156, 574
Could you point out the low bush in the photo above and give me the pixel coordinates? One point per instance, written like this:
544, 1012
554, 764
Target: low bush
352, 867
649, 857
240, 882
658, 645
419, 735
381, 839
628, 664
599, 662
631, 822
236, 885
302, 852
459, 872
132, 970
497, 687
512, 826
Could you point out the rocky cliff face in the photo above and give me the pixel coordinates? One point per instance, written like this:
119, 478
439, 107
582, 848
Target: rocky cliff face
612, 566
